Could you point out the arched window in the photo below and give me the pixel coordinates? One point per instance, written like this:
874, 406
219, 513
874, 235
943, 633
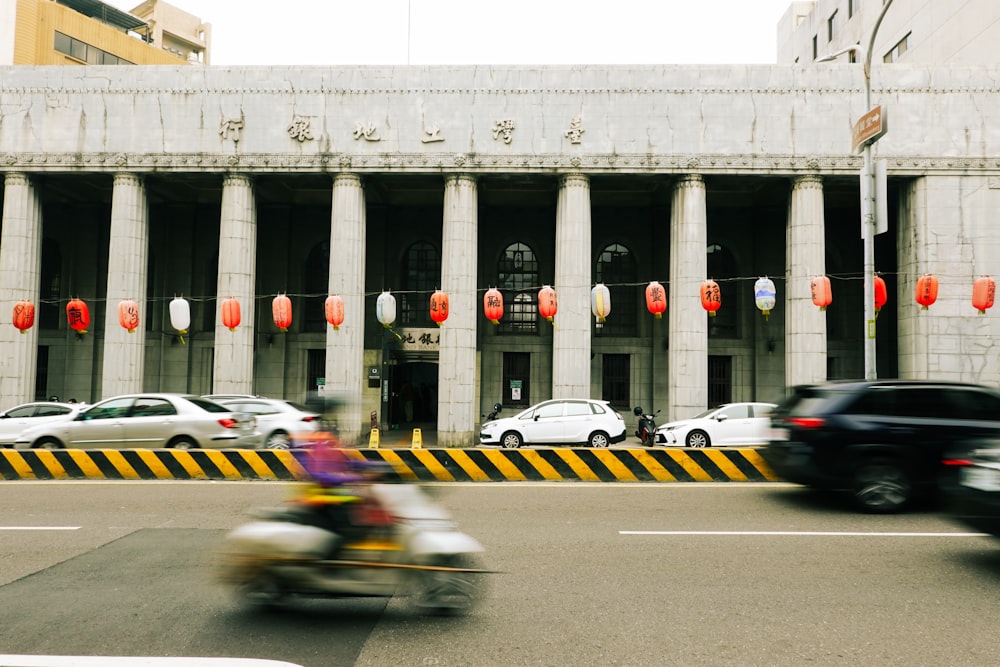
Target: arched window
517, 279
616, 269
421, 276
721, 268
316, 283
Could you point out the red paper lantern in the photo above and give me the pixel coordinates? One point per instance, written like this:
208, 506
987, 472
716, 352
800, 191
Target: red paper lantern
711, 297
334, 307
881, 295
24, 315
439, 307
231, 313
656, 299
128, 315
822, 296
547, 305
78, 316
281, 309
927, 290
493, 305
983, 291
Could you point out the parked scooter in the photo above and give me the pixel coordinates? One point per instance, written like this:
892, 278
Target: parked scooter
418, 552
646, 428
493, 415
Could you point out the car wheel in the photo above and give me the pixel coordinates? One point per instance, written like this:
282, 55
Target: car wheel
698, 439
48, 443
598, 439
278, 440
881, 487
511, 440
182, 442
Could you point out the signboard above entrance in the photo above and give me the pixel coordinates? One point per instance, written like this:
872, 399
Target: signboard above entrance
419, 340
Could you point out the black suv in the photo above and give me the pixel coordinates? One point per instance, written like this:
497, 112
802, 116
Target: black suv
883, 441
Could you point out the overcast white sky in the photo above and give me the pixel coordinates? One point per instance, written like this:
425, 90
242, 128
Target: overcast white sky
464, 32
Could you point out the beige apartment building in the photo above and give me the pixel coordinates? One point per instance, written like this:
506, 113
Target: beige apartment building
90, 32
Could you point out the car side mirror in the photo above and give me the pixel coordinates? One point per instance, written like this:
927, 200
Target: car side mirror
722, 418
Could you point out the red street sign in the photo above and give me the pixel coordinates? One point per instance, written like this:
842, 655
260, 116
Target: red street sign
869, 128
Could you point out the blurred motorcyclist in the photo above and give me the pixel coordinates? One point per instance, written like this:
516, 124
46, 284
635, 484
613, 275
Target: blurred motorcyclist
337, 493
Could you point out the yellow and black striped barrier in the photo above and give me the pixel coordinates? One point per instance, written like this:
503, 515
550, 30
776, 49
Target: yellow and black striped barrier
431, 465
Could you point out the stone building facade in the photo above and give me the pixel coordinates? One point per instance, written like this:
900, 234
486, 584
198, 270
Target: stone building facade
208, 183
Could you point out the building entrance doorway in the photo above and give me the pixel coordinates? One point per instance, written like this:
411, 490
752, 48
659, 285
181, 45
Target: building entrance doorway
414, 393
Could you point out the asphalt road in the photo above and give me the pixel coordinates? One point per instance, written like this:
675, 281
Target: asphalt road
608, 574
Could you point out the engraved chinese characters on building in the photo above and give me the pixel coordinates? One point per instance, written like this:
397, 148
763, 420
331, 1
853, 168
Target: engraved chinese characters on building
432, 135
366, 131
575, 131
300, 129
231, 128
503, 128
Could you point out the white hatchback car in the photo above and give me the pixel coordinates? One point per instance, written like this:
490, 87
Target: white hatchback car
726, 425
278, 420
559, 421
22, 417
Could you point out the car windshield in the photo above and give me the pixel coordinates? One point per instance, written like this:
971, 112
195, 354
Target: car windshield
206, 405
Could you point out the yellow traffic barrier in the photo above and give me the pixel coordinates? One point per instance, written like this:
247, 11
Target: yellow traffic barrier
373, 439
418, 440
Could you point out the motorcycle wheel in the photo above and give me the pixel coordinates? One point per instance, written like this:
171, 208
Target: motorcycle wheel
448, 593
263, 592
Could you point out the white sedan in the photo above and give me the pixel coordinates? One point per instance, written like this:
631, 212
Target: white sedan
23, 417
725, 425
559, 421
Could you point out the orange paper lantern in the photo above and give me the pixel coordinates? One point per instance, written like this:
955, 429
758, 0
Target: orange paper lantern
231, 313
711, 297
983, 291
493, 305
881, 295
547, 305
78, 316
822, 296
24, 315
281, 309
128, 315
656, 299
334, 308
439, 307
927, 290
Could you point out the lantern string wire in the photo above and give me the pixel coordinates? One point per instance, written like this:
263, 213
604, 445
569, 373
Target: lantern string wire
843, 277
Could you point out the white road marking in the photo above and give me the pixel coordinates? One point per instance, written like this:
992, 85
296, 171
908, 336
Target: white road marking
40, 527
793, 533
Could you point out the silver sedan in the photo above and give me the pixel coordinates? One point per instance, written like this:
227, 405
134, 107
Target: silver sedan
144, 421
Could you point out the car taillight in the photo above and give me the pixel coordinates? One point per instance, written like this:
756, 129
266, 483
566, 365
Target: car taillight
229, 422
310, 418
956, 462
806, 422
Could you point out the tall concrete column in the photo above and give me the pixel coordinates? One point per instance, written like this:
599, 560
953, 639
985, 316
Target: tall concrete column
124, 352
687, 338
571, 330
233, 367
345, 347
457, 357
805, 324
20, 274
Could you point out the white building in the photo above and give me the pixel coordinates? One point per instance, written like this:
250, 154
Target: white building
924, 32
211, 183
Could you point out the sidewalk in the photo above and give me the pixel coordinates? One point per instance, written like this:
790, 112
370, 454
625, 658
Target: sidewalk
402, 438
